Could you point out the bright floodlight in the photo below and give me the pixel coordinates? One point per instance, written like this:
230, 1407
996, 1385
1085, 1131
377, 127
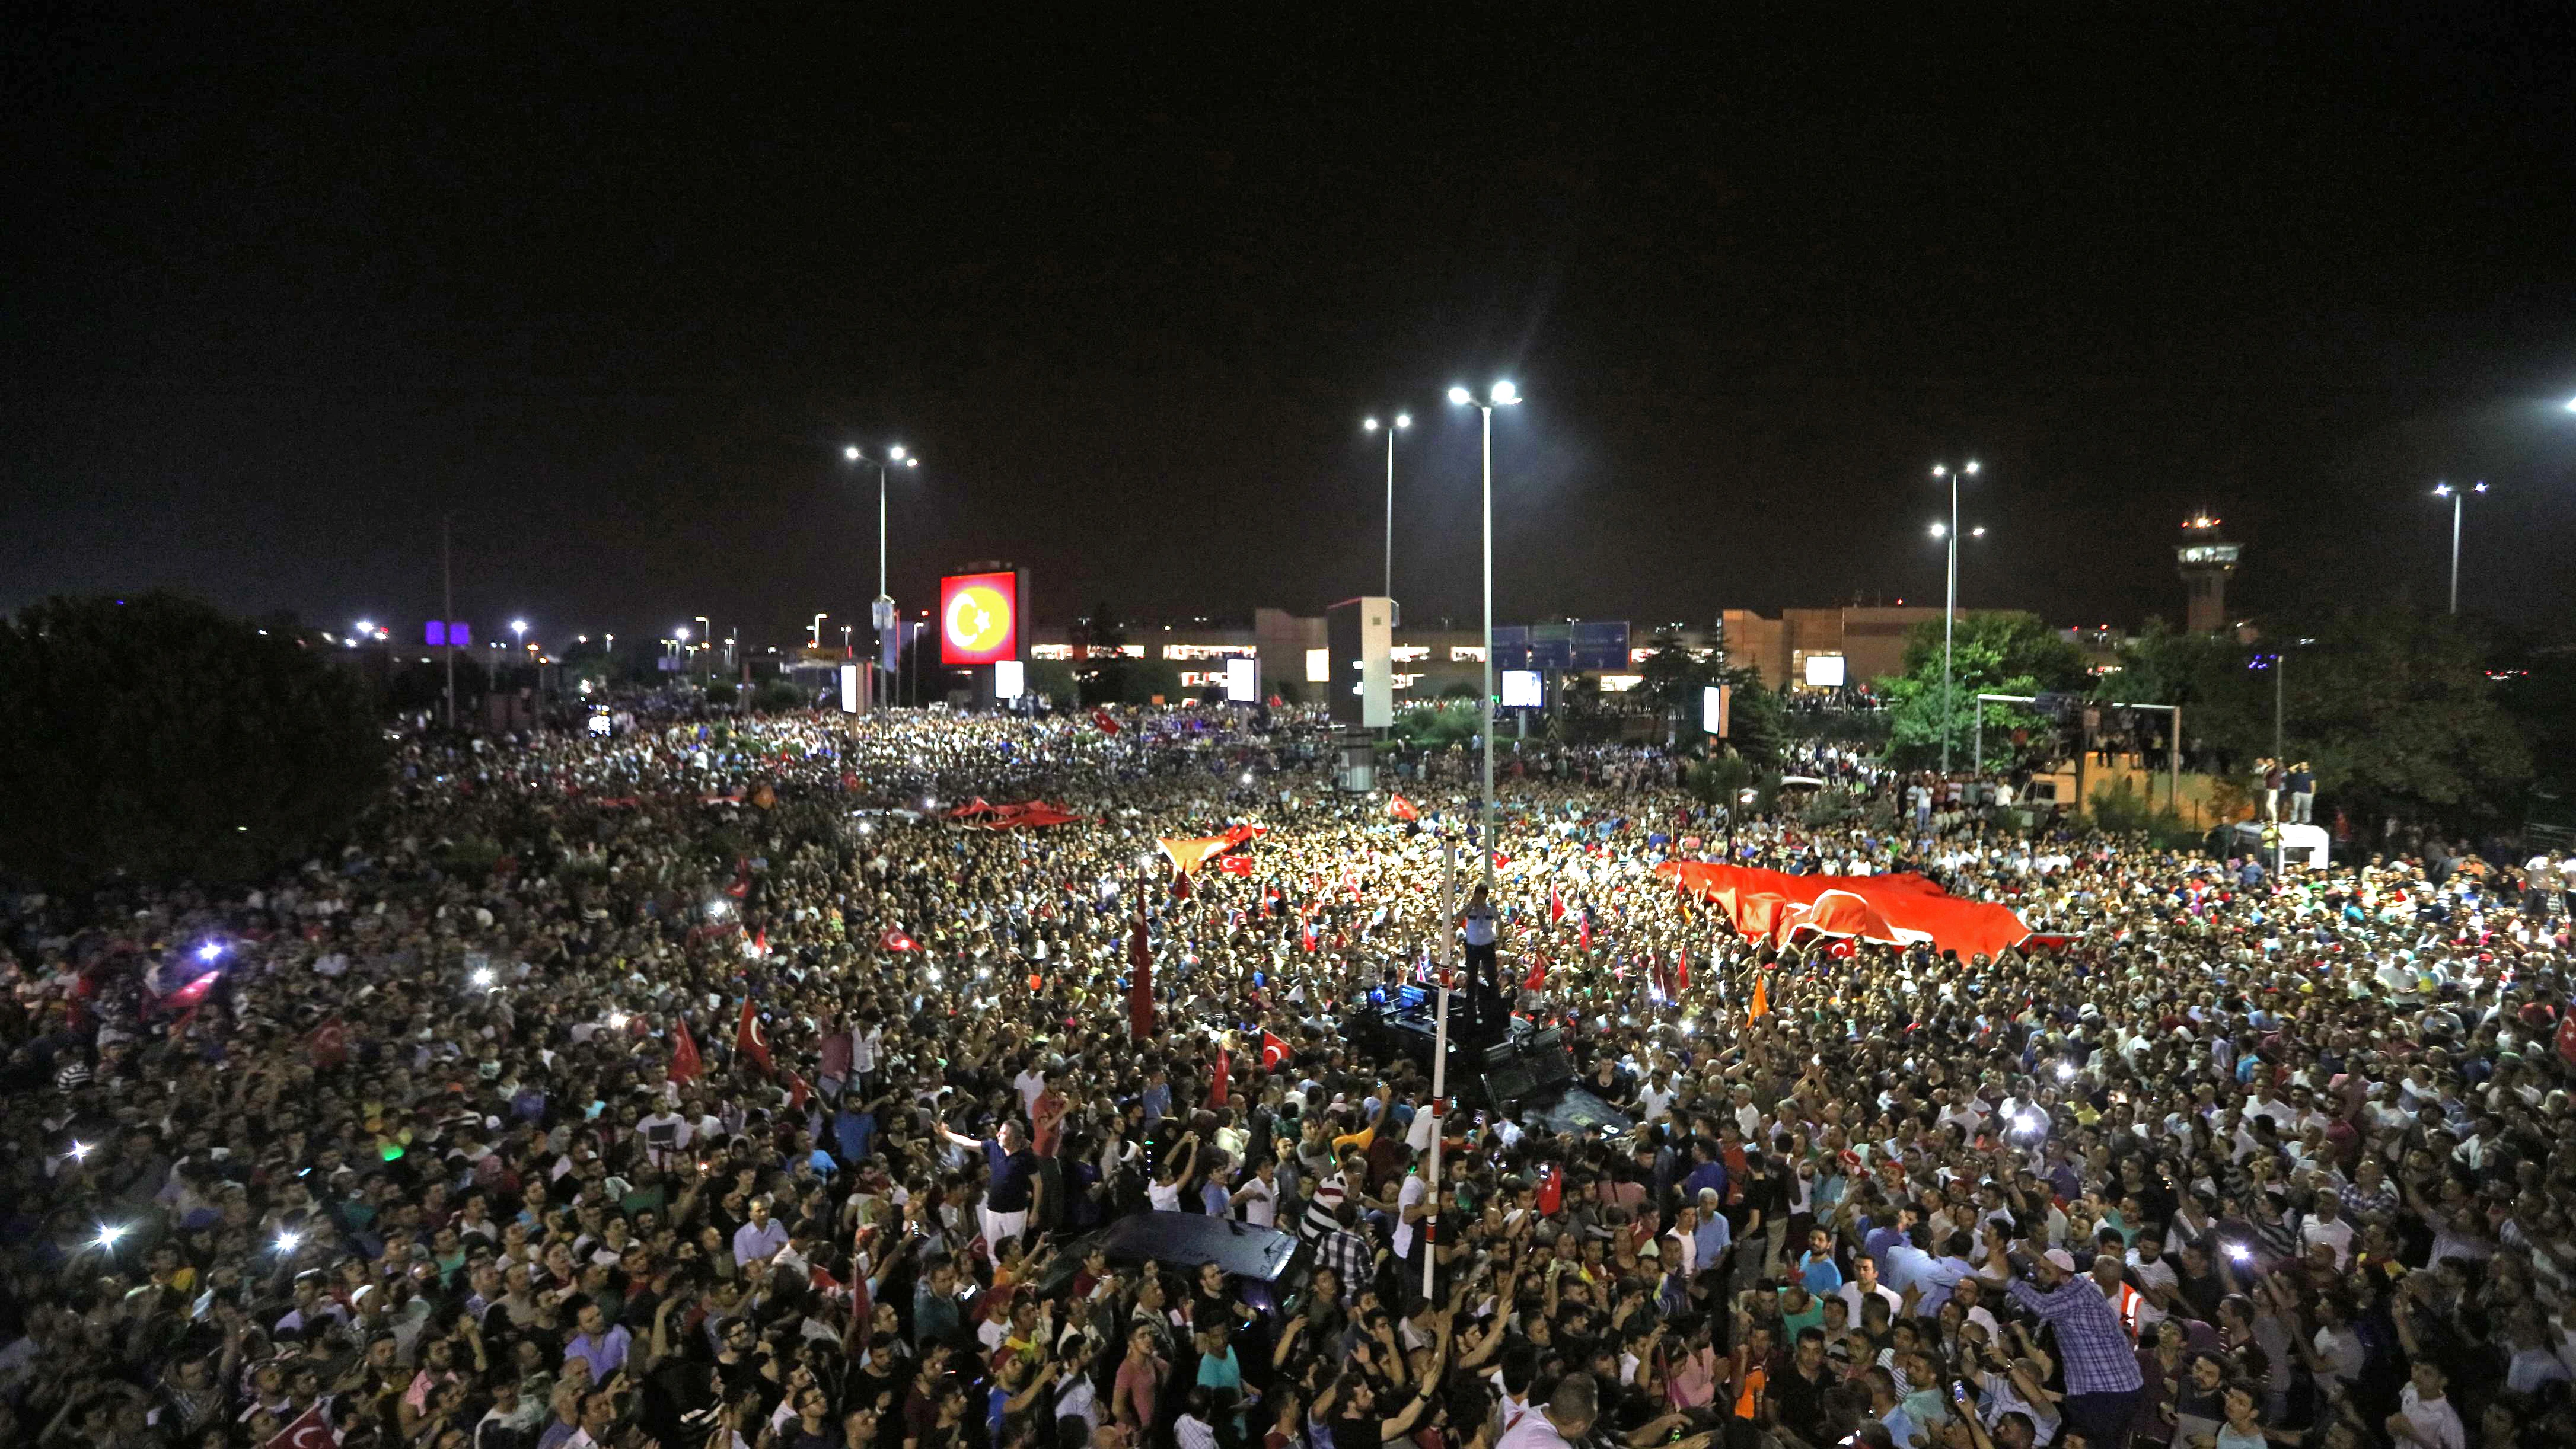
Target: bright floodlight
1505, 394
1971, 468
681, 633
850, 453
1368, 425
1461, 396
2571, 405
519, 627
1978, 532
912, 462
2441, 490
365, 627
2481, 488
1940, 530
895, 452
1939, 471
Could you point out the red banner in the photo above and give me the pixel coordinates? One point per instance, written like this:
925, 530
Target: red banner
1891, 909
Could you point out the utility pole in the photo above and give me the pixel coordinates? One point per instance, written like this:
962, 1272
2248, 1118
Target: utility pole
1440, 1056
447, 601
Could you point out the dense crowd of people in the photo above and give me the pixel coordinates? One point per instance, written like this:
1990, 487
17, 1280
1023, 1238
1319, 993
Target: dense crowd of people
716, 1083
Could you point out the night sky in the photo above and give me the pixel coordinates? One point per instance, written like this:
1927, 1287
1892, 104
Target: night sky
618, 296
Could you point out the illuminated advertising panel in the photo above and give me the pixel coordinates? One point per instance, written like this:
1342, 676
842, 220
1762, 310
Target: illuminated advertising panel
979, 618
1824, 671
1243, 681
1520, 689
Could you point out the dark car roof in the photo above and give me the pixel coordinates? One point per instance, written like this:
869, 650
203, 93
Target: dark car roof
1182, 1240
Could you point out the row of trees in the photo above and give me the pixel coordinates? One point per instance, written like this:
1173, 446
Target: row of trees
2401, 713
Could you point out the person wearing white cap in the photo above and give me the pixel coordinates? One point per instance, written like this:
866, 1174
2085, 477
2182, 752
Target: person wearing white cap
2102, 1378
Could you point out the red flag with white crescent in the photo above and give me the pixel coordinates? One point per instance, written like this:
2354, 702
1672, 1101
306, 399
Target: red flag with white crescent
1235, 864
1101, 719
894, 940
1401, 808
1555, 906
1274, 1052
309, 1431
751, 1041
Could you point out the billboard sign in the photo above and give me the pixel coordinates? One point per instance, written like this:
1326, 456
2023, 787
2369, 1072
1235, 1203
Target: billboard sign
1010, 678
1715, 700
849, 689
1520, 689
1243, 681
979, 618
1824, 671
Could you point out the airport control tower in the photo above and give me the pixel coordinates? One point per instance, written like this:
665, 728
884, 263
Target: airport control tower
2205, 560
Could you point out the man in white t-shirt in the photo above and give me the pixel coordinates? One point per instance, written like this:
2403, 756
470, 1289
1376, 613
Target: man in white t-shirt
1866, 1284
1409, 1209
1030, 1084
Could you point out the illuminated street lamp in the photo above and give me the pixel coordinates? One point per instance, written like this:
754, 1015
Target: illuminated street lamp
1502, 396
881, 612
519, 629
2457, 497
1370, 425
1950, 611
818, 630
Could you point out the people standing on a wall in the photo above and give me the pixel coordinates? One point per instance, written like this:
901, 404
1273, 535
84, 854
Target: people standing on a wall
2303, 793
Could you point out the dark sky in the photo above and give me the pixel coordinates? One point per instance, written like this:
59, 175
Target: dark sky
617, 296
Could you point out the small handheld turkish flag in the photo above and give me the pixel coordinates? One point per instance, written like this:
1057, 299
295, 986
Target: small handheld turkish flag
1235, 864
894, 940
1273, 1052
1401, 808
1108, 726
309, 1431
685, 1066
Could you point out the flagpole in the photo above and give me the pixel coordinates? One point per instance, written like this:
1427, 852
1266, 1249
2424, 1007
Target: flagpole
1440, 1060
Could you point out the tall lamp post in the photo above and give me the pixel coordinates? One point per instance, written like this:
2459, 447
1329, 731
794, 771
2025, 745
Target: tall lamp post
1402, 421
1503, 395
1950, 608
2457, 497
881, 613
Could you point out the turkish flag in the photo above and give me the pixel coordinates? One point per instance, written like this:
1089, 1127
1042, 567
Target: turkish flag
1841, 950
1235, 864
685, 1065
1108, 726
1537, 976
309, 1431
798, 1090
1217, 1081
1274, 1052
750, 1040
328, 1044
1583, 933
1681, 968
1140, 979
2566, 1038
1401, 808
187, 997
1555, 906
1306, 934
894, 940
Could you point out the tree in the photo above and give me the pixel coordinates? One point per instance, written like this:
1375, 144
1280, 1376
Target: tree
153, 738
2395, 709
1993, 653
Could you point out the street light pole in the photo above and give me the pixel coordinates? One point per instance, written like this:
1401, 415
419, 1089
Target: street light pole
881, 613
447, 597
1402, 421
1950, 605
1502, 395
2457, 496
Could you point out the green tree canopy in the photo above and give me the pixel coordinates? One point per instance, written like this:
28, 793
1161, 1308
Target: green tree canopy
2004, 652
156, 739
2394, 708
